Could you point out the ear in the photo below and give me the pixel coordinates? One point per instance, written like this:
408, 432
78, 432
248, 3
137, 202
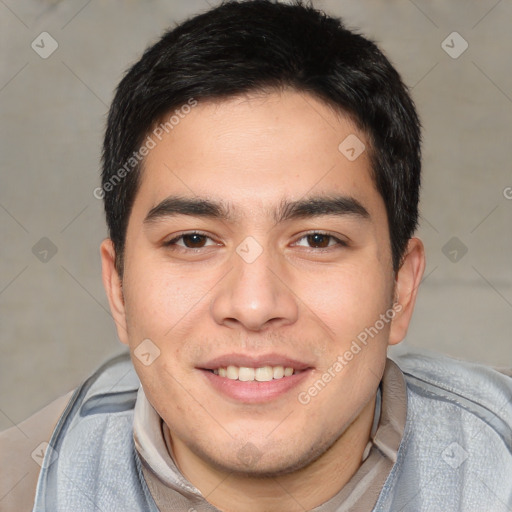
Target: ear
114, 288
408, 280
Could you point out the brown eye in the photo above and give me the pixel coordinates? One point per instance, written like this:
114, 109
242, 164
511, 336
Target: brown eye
190, 241
194, 241
318, 240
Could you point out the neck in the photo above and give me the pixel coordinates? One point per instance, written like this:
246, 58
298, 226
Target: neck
301, 490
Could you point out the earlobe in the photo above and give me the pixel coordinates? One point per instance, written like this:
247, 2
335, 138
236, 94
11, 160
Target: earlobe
408, 280
114, 288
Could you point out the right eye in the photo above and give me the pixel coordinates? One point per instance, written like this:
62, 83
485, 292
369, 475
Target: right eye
193, 240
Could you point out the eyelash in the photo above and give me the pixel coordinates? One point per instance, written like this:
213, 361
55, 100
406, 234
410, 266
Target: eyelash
173, 241
338, 242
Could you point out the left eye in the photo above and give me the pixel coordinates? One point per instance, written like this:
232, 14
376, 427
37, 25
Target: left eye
191, 241
319, 241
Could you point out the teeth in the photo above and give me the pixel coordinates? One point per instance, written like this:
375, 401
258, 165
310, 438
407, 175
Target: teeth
262, 374
245, 374
278, 372
232, 372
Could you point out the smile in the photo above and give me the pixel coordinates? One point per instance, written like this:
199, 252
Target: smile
261, 374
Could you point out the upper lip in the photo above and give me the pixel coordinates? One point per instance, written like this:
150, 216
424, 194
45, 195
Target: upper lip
249, 361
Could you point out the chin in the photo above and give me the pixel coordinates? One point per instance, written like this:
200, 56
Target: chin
265, 461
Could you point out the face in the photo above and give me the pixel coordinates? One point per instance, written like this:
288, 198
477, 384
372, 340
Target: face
257, 253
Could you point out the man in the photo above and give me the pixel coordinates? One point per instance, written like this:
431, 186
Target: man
261, 179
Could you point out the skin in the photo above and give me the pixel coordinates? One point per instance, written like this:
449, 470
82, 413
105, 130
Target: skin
297, 298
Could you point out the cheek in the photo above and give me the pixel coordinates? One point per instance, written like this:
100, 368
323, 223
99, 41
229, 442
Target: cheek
158, 301
348, 300
167, 389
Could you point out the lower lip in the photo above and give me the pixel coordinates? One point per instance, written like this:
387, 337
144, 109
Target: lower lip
253, 392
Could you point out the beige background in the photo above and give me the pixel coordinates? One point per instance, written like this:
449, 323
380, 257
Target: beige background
55, 324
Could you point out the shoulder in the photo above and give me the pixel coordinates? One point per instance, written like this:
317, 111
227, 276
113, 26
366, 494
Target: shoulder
471, 386
22, 448
457, 443
96, 429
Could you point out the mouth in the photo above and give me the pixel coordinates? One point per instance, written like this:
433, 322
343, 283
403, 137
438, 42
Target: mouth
261, 374
249, 380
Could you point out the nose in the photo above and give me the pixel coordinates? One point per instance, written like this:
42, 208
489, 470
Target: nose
254, 296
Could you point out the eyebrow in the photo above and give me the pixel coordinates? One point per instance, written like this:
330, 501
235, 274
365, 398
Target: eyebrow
303, 208
318, 206
175, 205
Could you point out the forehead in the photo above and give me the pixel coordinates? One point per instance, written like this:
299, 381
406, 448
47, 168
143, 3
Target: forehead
256, 150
